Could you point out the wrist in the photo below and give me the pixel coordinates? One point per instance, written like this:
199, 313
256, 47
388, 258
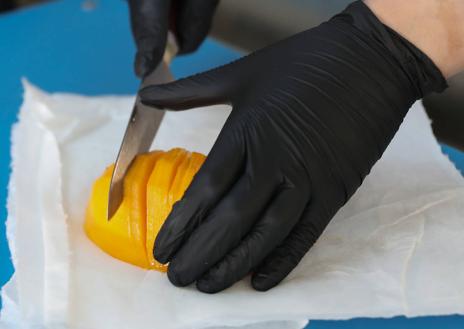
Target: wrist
433, 26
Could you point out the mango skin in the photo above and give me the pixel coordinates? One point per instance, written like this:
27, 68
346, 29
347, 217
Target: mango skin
154, 182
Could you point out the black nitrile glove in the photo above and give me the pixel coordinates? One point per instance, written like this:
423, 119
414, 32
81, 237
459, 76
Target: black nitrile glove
150, 20
311, 116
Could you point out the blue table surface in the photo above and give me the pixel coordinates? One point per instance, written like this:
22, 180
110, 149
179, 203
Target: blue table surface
63, 47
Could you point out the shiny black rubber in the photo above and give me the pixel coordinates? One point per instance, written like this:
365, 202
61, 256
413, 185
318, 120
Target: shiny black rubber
311, 115
150, 20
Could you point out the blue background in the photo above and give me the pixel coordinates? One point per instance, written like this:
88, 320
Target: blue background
63, 47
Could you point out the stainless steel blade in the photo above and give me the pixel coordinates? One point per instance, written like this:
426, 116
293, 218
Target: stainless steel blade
143, 125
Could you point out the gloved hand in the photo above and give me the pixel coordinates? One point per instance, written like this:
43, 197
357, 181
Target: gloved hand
311, 116
150, 20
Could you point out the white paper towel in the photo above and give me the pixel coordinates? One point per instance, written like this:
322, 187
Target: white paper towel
396, 248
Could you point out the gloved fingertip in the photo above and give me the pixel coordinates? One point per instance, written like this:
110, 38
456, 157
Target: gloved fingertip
143, 65
190, 45
208, 286
160, 255
155, 95
175, 277
162, 250
165, 97
263, 282
167, 241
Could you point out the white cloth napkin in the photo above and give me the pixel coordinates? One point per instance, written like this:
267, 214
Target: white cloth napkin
396, 248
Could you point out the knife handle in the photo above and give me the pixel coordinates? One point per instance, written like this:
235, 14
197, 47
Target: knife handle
172, 48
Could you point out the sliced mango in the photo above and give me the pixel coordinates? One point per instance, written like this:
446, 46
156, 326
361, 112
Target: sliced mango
158, 197
124, 237
135, 189
184, 176
154, 182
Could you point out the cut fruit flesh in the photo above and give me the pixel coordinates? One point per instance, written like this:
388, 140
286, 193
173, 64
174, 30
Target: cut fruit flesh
154, 182
124, 236
158, 188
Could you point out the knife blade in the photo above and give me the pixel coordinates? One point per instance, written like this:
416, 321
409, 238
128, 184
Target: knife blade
143, 125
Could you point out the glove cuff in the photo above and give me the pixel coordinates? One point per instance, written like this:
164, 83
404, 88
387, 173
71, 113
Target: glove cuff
424, 75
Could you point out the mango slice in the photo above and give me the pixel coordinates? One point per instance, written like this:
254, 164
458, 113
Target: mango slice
170, 178
124, 237
154, 182
158, 187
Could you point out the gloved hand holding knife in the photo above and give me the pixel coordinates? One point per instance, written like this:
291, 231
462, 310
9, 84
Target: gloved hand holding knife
190, 20
161, 30
311, 116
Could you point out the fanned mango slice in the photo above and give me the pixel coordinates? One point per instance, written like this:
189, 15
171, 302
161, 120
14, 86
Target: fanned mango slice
135, 189
185, 174
158, 197
124, 237
154, 182
160, 200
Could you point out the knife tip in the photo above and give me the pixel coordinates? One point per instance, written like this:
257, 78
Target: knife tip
114, 200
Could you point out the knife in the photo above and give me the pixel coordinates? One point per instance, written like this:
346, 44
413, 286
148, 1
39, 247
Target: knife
143, 125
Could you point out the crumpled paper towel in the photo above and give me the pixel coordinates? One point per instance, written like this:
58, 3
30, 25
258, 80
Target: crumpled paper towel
396, 248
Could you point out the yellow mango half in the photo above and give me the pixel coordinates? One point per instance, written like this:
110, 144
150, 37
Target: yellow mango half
154, 182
